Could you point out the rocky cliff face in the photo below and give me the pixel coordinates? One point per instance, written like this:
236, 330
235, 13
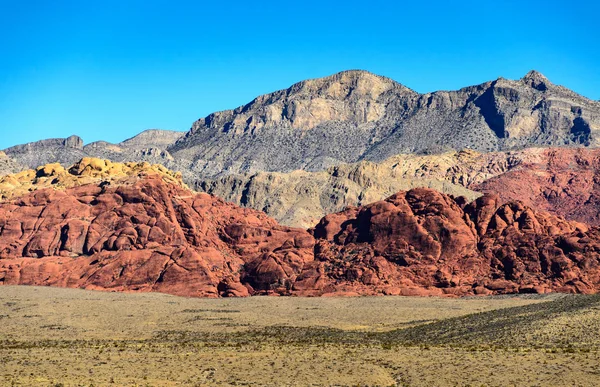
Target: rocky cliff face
301, 198
147, 232
423, 242
356, 115
565, 182
348, 117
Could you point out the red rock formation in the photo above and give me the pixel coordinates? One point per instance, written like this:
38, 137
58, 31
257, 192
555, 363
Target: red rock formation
564, 181
422, 242
148, 235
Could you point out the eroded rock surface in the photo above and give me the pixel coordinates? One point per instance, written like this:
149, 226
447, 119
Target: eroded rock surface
86, 171
423, 242
565, 182
149, 233
146, 235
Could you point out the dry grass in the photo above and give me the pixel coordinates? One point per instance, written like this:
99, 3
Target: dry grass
51, 337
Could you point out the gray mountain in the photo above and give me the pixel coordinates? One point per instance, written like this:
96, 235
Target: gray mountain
53, 150
8, 165
149, 145
349, 117
356, 115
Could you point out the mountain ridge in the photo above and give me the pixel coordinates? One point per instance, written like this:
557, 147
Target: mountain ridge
347, 117
478, 121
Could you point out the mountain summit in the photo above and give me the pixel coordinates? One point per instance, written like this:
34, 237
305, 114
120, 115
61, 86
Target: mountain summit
351, 116
356, 115
536, 80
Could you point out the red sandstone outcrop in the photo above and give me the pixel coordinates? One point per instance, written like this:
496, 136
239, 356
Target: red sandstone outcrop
148, 232
424, 242
564, 181
148, 235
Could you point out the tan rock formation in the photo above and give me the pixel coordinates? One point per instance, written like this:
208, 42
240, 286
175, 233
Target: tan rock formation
301, 198
88, 170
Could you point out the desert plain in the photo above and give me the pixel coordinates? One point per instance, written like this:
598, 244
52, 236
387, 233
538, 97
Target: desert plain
73, 337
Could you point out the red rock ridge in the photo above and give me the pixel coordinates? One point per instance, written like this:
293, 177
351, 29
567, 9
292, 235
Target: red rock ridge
422, 242
564, 181
148, 234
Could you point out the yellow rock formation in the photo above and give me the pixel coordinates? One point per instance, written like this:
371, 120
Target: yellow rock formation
88, 170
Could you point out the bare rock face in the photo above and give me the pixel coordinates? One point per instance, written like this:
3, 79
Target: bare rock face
86, 171
127, 229
347, 96
375, 118
152, 138
398, 245
423, 242
148, 235
301, 198
562, 181
8, 165
565, 182
535, 251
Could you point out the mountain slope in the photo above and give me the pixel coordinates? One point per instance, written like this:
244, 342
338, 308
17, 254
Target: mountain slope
8, 165
356, 115
148, 146
54, 150
349, 117
301, 198
562, 181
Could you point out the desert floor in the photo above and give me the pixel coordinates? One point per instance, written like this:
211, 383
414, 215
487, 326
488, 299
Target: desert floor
69, 337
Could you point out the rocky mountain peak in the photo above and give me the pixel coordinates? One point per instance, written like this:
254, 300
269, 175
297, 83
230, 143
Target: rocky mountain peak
74, 142
152, 138
345, 84
536, 80
349, 96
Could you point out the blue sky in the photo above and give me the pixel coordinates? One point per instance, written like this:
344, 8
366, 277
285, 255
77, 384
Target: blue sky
110, 69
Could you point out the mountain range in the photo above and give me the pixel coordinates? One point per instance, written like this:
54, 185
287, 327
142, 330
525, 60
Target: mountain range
354, 184
348, 117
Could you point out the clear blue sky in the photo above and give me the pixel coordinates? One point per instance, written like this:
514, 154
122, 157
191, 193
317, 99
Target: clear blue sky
110, 69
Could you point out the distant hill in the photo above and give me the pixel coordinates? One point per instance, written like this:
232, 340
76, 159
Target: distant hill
149, 146
356, 115
348, 117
